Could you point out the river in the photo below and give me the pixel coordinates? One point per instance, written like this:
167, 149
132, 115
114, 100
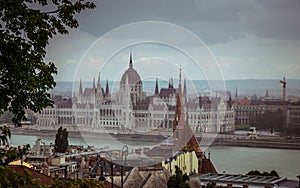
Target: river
225, 158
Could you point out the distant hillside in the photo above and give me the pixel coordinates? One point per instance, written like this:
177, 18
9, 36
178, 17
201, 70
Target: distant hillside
246, 87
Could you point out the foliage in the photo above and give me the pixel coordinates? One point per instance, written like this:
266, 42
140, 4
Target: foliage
270, 120
256, 172
6, 117
8, 153
86, 183
178, 180
211, 185
61, 140
25, 77
10, 178
242, 127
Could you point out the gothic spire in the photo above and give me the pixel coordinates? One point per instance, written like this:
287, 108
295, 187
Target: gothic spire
184, 88
130, 60
107, 88
94, 85
267, 94
80, 87
179, 84
230, 101
200, 101
156, 88
99, 83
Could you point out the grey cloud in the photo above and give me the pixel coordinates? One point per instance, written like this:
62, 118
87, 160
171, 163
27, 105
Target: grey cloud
216, 21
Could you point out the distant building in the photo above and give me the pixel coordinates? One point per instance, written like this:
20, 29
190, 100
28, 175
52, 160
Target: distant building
94, 109
293, 115
247, 110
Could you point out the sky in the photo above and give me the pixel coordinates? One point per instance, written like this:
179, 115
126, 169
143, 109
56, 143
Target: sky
249, 39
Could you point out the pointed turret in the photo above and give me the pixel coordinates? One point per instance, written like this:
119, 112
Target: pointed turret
156, 88
179, 118
94, 85
184, 91
179, 84
99, 94
99, 83
107, 88
230, 101
267, 94
130, 60
107, 92
200, 101
236, 93
80, 87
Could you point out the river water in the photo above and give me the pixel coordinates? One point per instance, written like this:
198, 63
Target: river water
225, 158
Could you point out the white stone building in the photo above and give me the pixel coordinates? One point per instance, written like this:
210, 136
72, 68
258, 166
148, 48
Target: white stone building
130, 110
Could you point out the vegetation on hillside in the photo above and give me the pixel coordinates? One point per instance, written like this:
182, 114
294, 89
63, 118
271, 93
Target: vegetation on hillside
61, 141
178, 180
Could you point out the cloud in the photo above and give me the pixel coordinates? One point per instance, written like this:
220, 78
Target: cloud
246, 36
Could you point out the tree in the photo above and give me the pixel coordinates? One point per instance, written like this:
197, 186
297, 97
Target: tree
178, 180
61, 141
87, 183
25, 77
7, 153
211, 185
270, 120
258, 173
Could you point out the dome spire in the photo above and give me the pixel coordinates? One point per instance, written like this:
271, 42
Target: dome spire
130, 60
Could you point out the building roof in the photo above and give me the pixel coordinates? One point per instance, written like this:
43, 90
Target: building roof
250, 180
130, 76
21, 163
41, 179
242, 102
207, 167
166, 92
88, 92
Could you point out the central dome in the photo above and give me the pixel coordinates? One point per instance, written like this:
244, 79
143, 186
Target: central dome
130, 76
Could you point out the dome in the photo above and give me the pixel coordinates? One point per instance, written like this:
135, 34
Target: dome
130, 74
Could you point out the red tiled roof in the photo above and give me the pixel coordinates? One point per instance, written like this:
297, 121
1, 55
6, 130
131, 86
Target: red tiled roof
243, 102
42, 179
207, 167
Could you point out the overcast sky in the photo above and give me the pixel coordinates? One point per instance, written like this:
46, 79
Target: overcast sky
248, 38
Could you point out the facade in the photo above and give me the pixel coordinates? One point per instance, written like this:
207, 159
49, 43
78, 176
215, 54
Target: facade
131, 110
293, 115
246, 110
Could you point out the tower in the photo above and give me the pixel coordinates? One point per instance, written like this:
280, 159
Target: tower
184, 138
80, 92
94, 86
267, 94
230, 101
99, 93
184, 91
107, 92
283, 82
156, 88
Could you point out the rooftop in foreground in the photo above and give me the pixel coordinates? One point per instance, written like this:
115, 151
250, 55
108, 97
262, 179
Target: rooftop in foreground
238, 180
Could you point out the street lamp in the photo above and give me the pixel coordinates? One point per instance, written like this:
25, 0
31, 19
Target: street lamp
100, 163
124, 151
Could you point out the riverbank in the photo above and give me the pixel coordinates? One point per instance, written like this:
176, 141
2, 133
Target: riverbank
219, 140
